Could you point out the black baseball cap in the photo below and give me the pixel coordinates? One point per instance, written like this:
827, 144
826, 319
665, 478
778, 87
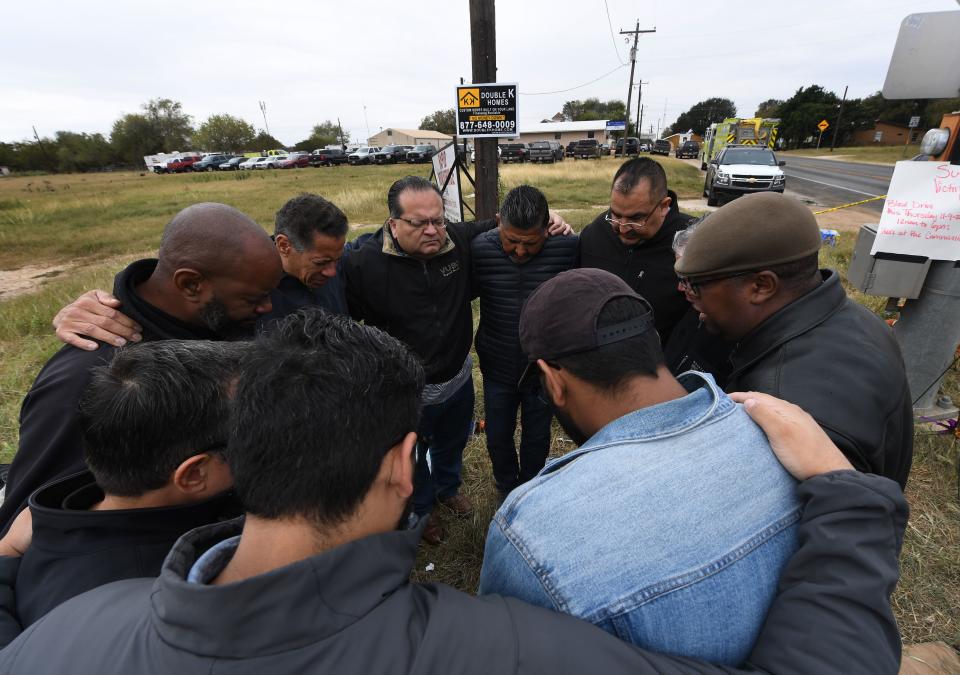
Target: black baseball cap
560, 317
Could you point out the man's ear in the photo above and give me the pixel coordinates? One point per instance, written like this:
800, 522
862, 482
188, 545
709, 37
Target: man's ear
554, 383
283, 245
497, 218
203, 475
400, 465
764, 286
190, 283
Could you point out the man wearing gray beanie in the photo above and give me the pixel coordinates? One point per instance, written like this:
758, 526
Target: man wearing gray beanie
751, 270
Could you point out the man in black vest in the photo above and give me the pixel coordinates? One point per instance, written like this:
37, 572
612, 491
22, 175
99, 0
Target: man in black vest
633, 239
509, 263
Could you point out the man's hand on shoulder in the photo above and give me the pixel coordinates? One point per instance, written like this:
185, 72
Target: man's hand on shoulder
557, 225
95, 315
797, 440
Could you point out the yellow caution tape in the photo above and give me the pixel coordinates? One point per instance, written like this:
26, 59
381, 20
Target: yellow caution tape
837, 208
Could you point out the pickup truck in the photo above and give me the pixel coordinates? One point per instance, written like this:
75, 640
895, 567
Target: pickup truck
661, 147
588, 148
689, 149
514, 152
180, 164
546, 151
391, 154
328, 157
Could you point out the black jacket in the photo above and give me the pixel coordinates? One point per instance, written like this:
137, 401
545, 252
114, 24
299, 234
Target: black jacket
50, 443
75, 549
423, 303
841, 363
353, 610
503, 287
692, 347
647, 267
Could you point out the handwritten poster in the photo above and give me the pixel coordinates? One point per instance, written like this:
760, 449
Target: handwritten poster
921, 215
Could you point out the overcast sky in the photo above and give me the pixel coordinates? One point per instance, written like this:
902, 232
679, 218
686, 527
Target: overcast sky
378, 64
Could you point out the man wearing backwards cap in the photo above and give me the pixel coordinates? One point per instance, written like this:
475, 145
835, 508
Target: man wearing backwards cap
751, 271
671, 523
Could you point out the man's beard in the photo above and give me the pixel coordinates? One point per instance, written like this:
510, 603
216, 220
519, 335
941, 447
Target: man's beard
214, 316
567, 424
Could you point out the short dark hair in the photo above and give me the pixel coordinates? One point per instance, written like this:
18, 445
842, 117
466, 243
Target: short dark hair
155, 405
634, 170
413, 183
610, 366
320, 400
525, 208
306, 215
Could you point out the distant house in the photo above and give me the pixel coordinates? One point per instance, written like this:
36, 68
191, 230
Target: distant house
392, 136
564, 132
676, 140
886, 133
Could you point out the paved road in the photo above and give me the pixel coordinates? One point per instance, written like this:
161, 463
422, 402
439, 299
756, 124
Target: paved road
829, 182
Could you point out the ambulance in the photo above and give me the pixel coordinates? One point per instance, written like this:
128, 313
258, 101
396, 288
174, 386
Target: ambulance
757, 131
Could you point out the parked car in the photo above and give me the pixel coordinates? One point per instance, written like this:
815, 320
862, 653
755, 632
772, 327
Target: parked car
571, 146
420, 154
180, 164
473, 154
514, 152
252, 162
605, 149
391, 154
644, 146
232, 164
633, 146
661, 147
295, 160
362, 155
545, 151
689, 149
588, 148
271, 162
328, 157
740, 169
210, 162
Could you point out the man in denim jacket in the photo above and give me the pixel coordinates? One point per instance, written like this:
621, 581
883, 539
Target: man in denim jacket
670, 525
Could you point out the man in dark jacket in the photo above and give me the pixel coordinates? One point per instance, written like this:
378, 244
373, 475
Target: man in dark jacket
633, 239
509, 263
316, 579
154, 423
212, 281
751, 271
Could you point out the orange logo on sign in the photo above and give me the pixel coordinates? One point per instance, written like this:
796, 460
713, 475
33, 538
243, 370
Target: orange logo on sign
469, 98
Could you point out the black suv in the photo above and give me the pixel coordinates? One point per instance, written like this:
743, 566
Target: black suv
210, 162
689, 149
633, 146
328, 157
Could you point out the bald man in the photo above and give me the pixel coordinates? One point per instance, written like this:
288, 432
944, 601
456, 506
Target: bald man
211, 281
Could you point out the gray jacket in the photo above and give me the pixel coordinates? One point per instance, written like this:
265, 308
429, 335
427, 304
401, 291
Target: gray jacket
353, 610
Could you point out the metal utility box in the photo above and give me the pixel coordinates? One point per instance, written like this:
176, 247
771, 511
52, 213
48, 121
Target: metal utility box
888, 275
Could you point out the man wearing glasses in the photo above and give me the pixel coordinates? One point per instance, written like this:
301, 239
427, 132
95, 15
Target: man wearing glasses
633, 239
751, 272
412, 279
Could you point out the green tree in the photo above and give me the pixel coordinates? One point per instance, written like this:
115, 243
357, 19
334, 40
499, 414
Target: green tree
593, 109
327, 133
769, 108
224, 133
444, 121
264, 141
171, 125
801, 113
703, 114
133, 137
82, 152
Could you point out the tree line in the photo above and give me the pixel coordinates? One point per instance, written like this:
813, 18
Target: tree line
160, 126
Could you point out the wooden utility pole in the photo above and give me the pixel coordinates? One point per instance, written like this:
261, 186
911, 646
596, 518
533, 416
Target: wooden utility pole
483, 48
836, 131
633, 63
636, 129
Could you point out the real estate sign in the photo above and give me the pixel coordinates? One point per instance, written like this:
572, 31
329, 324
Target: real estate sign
487, 110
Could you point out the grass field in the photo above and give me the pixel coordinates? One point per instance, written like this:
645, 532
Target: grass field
99, 222
869, 155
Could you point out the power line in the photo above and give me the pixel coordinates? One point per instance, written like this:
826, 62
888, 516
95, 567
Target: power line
612, 38
579, 86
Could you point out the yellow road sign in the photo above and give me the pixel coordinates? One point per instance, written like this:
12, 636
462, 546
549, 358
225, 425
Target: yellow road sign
823, 125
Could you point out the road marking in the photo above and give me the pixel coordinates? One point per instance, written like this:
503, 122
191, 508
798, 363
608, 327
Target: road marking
847, 172
839, 187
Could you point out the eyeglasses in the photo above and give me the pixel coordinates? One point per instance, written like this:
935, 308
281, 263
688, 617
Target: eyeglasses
438, 223
693, 287
638, 222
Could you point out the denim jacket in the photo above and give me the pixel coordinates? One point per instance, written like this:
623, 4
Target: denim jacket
668, 528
